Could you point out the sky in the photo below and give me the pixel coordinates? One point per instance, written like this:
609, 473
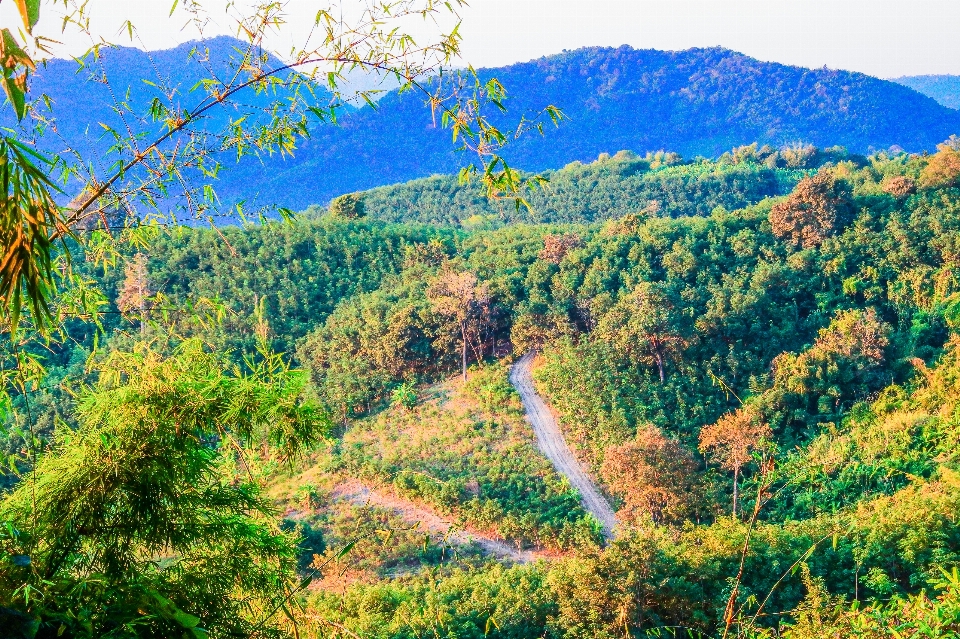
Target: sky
885, 38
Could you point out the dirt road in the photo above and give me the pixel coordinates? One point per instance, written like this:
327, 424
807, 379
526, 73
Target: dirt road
552, 444
360, 495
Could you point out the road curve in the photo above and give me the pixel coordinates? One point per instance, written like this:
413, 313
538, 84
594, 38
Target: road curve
361, 495
552, 444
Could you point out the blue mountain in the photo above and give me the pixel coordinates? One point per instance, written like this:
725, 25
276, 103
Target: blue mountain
695, 102
945, 89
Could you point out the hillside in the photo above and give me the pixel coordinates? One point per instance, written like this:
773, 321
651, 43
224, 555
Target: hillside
692, 369
824, 344
945, 89
767, 397
694, 102
607, 188
76, 106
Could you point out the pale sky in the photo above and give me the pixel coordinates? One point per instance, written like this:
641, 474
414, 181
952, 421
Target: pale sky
885, 38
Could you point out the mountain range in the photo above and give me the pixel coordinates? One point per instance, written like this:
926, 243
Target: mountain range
694, 102
945, 89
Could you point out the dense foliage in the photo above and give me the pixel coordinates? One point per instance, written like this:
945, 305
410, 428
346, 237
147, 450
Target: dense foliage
881, 543
768, 394
231, 286
609, 187
136, 524
298, 273
768, 359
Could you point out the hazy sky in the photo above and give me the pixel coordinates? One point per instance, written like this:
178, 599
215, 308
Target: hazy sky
886, 38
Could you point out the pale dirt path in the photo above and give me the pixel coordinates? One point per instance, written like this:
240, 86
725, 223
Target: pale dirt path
552, 444
361, 495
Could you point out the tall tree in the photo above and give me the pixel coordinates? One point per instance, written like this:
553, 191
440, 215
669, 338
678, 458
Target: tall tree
643, 326
732, 440
347, 207
462, 300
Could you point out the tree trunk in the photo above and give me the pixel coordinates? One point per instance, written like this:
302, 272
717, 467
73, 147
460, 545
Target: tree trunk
463, 351
736, 496
143, 308
660, 365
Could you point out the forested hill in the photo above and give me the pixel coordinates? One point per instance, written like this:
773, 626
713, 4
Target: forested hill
769, 397
695, 102
945, 89
610, 187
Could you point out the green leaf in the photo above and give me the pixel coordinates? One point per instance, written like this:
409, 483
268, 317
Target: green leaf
14, 87
346, 549
14, 58
185, 619
29, 13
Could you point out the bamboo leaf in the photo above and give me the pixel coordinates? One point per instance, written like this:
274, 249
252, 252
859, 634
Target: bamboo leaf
29, 13
346, 549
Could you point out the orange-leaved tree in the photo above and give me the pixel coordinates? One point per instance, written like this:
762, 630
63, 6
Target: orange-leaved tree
732, 440
817, 207
943, 167
653, 474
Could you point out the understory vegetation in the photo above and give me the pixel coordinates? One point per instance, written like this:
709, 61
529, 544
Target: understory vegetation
763, 377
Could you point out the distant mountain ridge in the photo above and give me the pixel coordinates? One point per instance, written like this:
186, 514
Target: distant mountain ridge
945, 89
695, 102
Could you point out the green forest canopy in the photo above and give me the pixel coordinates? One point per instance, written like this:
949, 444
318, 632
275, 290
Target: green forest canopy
607, 188
815, 330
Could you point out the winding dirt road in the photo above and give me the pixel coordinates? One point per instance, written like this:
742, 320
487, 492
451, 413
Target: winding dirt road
360, 495
552, 444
